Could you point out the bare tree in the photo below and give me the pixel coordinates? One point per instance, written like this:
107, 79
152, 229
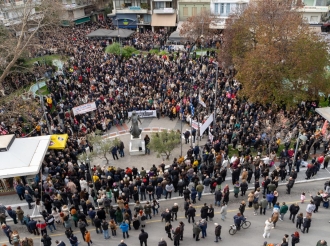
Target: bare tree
22, 34
197, 26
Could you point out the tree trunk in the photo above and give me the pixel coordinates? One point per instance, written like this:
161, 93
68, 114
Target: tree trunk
105, 157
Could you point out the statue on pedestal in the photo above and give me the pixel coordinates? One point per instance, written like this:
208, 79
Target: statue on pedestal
135, 130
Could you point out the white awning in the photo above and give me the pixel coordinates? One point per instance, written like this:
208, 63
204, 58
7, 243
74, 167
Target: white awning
324, 112
24, 157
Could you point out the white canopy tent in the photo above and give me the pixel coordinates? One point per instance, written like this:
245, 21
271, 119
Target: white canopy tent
24, 157
324, 112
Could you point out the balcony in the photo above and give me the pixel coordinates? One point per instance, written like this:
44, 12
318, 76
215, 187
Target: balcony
314, 9
132, 10
164, 11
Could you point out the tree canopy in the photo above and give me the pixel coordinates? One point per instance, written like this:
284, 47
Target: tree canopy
116, 49
276, 56
101, 146
164, 142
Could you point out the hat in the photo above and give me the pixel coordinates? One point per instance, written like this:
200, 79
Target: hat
216, 224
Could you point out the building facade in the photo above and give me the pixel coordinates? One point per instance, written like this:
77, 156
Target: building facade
12, 11
191, 8
313, 10
222, 9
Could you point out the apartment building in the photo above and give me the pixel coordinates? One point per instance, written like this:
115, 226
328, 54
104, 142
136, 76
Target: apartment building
313, 10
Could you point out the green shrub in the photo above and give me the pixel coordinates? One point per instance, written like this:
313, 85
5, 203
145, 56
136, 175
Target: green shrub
115, 49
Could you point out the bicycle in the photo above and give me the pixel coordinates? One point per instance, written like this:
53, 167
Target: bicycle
245, 224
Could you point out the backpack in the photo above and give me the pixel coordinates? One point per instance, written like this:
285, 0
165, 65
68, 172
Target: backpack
106, 202
143, 218
15, 239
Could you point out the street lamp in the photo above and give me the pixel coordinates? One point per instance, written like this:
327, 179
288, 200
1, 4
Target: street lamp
202, 41
41, 97
88, 164
215, 93
303, 138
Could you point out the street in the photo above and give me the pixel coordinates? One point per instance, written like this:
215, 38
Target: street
249, 237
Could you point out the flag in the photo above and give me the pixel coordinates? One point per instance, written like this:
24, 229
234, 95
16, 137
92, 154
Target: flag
200, 100
324, 128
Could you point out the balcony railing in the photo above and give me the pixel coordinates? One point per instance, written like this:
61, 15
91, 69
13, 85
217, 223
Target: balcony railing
164, 11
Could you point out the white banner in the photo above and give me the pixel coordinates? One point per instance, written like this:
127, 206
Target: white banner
206, 124
82, 109
194, 124
144, 113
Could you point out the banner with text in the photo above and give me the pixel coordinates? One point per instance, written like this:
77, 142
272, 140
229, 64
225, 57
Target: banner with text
206, 124
194, 124
82, 109
144, 113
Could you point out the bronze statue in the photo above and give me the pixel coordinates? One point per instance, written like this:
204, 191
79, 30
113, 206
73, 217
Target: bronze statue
135, 130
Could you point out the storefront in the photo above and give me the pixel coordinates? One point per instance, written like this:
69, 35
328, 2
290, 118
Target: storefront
166, 21
125, 21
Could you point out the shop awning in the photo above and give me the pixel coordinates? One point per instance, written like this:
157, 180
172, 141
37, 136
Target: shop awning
65, 23
163, 20
82, 20
24, 156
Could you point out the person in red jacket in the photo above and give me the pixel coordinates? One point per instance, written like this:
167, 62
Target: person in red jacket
42, 226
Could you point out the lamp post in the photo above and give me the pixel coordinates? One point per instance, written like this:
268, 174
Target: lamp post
181, 118
88, 163
43, 107
215, 93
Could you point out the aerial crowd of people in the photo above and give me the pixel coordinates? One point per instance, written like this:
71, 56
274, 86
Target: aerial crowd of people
171, 85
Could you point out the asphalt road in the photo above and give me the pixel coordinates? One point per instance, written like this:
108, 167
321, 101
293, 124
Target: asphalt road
248, 237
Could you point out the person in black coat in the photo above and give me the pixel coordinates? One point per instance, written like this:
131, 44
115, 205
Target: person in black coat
294, 209
46, 240
218, 197
162, 242
306, 224
295, 238
317, 201
101, 214
143, 237
191, 213
204, 211
244, 186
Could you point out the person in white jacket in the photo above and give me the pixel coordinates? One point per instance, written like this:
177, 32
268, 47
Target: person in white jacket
223, 211
268, 227
83, 184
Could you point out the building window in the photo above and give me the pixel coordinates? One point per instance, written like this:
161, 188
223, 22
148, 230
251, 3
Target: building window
320, 3
128, 3
314, 19
216, 8
168, 5
309, 2
227, 8
159, 5
185, 11
203, 9
194, 11
222, 8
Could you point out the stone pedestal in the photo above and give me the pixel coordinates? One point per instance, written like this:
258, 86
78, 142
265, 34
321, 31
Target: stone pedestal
137, 146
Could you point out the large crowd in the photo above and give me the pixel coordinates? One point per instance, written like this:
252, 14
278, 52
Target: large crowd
169, 84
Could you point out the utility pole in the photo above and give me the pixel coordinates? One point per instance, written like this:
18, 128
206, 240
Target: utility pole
181, 118
215, 94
